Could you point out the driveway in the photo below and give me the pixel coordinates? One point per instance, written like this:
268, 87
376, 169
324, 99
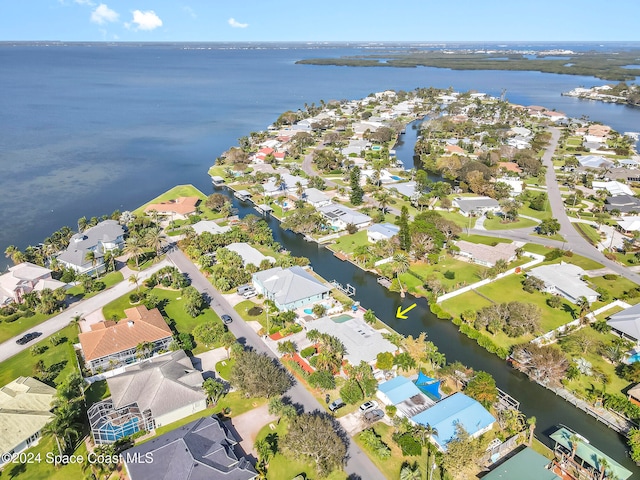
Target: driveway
247, 426
206, 362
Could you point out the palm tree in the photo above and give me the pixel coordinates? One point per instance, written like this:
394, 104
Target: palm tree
383, 197
583, 304
155, 239
134, 246
361, 254
531, 421
214, 389
602, 465
134, 278
64, 426
399, 266
574, 439
410, 472
227, 339
90, 256
144, 349
287, 347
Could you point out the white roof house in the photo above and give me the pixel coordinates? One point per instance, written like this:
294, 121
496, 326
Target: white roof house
209, 226
627, 322
316, 198
249, 254
614, 188
487, 255
362, 342
514, 183
381, 231
290, 288
629, 224
340, 216
25, 278
25, 407
475, 205
406, 189
594, 161
565, 279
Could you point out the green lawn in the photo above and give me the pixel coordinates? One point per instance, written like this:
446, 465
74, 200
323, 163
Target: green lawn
283, 467
22, 324
110, 279
450, 272
175, 192
40, 470
62, 356
348, 243
583, 262
555, 236
484, 239
588, 231
616, 287
251, 311
457, 218
391, 466
536, 248
465, 301
495, 223
223, 368
628, 259
173, 310
97, 391
526, 210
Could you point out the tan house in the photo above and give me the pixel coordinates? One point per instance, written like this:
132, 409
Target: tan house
25, 407
109, 344
487, 255
25, 278
180, 208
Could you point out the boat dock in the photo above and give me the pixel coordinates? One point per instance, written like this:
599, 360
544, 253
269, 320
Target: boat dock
384, 281
348, 290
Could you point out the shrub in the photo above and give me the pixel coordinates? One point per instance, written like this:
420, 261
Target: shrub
553, 254
610, 276
391, 410
351, 392
313, 361
98, 286
307, 352
134, 298
38, 349
409, 445
322, 379
384, 360
373, 442
439, 312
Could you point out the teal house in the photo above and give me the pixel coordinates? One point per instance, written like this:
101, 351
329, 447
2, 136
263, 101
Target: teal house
290, 288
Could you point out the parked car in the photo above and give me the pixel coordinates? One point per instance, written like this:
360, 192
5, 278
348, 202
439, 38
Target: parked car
336, 404
226, 319
370, 405
242, 289
250, 294
27, 337
373, 415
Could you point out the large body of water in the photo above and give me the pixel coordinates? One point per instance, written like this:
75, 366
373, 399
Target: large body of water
87, 129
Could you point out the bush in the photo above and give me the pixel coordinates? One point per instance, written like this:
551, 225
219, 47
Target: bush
553, 254
307, 352
351, 392
134, 298
391, 410
98, 286
610, 276
384, 360
322, 379
439, 312
374, 443
313, 361
409, 445
13, 317
38, 349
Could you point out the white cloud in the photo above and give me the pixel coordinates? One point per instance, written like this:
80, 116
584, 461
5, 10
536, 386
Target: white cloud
103, 14
190, 11
235, 24
145, 20
85, 2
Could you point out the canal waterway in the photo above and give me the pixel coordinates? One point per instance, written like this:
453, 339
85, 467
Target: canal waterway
535, 400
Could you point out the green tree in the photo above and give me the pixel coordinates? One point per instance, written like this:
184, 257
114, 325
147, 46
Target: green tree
287, 347
214, 389
370, 317
313, 437
482, 387
357, 193
257, 375
209, 333
228, 339
550, 226
134, 246
404, 235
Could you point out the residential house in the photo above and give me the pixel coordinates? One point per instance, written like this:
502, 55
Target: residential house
509, 167
594, 161
633, 394
404, 395
406, 189
109, 344
613, 187
248, 254
362, 342
179, 209
577, 458
204, 448
85, 253
287, 185
356, 147
25, 408
147, 395
473, 206
316, 198
290, 288
381, 231
210, 226
339, 216
627, 323
519, 143
454, 410
564, 279
25, 278
514, 183
487, 255
527, 464
450, 150
623, 203
629, 224
554, 116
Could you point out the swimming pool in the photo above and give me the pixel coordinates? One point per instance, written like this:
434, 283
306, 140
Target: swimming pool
395, 177
342, 318
634, 358
111, 432
308, 311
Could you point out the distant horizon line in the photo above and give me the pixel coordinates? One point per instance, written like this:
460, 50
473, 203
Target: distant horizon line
329, 42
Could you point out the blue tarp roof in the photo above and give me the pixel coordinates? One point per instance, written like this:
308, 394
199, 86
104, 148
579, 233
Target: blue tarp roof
457, 408
399, 389
428, 385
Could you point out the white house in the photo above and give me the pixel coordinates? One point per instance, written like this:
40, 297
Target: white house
248, 254
210, 226
381, 231
25, 278
514, 183
487, 255
340, 216
471, 206
316, 198
105, 237
594, 161
614, 188
25, 408
565, 279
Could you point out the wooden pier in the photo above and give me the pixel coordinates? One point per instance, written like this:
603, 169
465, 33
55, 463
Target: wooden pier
348, 290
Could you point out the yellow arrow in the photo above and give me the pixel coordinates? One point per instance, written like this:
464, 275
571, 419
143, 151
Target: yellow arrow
401, 313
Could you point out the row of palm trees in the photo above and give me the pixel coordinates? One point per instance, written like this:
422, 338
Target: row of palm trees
66, 426
137, 245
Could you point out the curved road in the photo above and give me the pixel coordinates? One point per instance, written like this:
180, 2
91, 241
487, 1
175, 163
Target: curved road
358, 465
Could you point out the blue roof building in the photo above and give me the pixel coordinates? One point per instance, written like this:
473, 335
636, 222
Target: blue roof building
453, 410
398, 389
381, 231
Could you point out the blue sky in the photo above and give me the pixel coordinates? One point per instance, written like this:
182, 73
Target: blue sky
324, 20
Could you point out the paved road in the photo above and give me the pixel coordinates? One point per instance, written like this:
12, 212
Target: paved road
358, 464
573, 240
83, 307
